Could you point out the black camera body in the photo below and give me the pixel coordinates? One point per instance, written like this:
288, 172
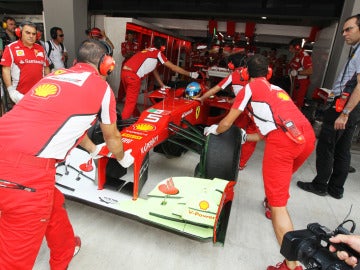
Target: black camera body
311, 248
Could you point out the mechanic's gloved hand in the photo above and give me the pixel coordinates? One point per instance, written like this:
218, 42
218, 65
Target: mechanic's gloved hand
94, 155
194, 75
294, 73
127, 160
164, 89
211, 130
14, 94
243, 136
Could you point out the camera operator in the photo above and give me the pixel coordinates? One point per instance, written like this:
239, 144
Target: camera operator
351, 240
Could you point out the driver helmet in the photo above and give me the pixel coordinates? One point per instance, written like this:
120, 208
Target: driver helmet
192, 90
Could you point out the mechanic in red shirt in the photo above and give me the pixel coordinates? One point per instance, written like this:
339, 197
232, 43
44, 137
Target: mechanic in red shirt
300, 68
24, 62
32, 141
128, 48
139, 66
237, 81
277, 119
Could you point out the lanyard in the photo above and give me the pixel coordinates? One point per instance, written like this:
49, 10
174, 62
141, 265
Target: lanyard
348, 62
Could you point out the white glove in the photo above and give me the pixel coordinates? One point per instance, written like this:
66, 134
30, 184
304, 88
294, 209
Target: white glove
94, 155
127, 160
294, 73
14, 94
243, 136
194, 75
164, 89
211, 130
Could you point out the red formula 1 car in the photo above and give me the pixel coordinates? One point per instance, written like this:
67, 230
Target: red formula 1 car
199, 206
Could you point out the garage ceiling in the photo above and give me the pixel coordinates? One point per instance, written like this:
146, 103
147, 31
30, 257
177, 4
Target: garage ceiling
305, 12
294, 13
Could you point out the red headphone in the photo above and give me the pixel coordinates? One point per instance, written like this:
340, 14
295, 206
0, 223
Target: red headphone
18, 33
231, 66
244, 74
106, 65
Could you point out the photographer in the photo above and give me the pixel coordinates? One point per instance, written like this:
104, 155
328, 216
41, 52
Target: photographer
351, 240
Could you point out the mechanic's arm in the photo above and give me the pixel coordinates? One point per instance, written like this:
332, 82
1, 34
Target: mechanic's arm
180, 70
209, 93
354, 99
14, 94
306, 72
87, 144
228, 120
46, 70
158, 79
112, 139
6, 74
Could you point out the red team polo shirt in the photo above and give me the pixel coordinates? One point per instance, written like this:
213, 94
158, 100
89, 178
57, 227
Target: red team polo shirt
235, 80
27, 64
267, 102
301, 61
145, 61
55, 114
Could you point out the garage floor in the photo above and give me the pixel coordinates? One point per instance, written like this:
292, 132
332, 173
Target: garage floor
111, 242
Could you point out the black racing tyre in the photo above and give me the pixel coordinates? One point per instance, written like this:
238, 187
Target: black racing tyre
169, 149
221, 155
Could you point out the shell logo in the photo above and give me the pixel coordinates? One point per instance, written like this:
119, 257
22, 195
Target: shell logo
144, 127
46, 90
204, 205
283, 96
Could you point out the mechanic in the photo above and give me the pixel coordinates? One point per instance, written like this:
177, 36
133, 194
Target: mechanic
333, 154
32, 141
9, 24
128, 48
139, 66
236, 62
289, 140
300, 68
24, 62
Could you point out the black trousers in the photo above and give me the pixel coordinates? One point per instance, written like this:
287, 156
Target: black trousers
333, 152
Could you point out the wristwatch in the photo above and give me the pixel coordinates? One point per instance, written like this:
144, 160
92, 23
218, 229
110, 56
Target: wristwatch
345, 112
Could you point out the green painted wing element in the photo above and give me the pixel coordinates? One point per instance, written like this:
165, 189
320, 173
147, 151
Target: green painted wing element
191, 211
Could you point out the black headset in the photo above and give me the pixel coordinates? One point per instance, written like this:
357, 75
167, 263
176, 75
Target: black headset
53, 32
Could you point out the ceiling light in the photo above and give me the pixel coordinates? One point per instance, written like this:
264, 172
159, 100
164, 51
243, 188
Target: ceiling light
263, 17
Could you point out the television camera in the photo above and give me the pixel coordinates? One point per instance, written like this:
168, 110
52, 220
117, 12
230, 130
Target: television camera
311, 247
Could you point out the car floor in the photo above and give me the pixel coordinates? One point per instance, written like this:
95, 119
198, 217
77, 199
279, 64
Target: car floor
111, 242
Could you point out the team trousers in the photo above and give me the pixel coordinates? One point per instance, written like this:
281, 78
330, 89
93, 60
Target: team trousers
132, 85
333, 152
299, 91
27, 216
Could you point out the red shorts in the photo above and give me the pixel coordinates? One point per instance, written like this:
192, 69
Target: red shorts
283, 157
